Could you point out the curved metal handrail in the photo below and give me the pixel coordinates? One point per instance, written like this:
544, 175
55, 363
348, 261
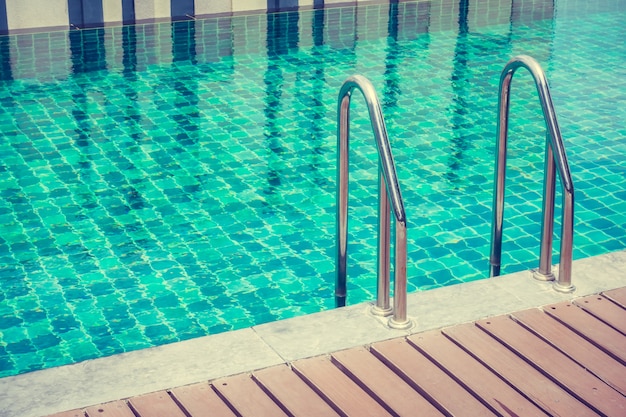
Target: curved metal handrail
555, 153
389, 192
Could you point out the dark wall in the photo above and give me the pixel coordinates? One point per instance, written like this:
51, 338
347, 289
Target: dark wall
281, 5
4, 26
85, 13
182, 8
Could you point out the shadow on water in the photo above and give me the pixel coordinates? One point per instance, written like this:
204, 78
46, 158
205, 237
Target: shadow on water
6, 72
184, 51
461, 109
88, 54
311, 83
408, 22
282, 35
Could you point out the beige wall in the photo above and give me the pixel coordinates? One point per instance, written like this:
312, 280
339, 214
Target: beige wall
112, 10
245, 5
211, 7
152, 9
27, 14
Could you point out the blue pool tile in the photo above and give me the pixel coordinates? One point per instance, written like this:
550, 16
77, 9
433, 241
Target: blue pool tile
20, 347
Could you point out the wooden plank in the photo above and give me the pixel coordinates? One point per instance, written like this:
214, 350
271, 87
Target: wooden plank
112, 409
292, 392
156, 404
337, 388
383, 383
199, 400
575, 346
561, 369
605, 310
600, 334
460, 372
533, 384
246, 397
433, 383
471, 374
618, 296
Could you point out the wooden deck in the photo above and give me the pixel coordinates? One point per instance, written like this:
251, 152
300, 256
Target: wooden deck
566, 359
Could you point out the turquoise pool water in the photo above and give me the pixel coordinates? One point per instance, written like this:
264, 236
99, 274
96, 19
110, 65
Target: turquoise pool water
167, 181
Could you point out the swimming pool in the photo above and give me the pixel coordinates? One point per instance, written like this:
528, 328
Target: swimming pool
166, 181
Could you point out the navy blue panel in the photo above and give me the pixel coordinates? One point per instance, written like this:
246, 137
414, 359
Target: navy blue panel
128, 11
288, 4
281, 5
4, 24
318, 4
92, 13
181, 8
75, 9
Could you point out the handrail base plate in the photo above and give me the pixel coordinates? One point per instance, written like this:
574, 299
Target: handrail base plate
380, 311
566, 289
399, 325
540, 276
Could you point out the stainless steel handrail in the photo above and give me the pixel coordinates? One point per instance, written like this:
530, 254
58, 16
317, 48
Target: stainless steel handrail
555, 153
388, 192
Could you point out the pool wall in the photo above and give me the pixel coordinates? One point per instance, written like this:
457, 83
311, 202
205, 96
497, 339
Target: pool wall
35, 52
19, 15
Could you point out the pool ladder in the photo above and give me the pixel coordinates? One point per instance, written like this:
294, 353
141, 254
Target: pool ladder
388, 192
554, 155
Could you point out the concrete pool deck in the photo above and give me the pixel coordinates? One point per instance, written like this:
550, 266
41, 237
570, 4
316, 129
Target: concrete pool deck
122, 376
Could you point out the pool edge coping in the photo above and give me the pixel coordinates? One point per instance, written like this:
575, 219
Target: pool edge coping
207, 358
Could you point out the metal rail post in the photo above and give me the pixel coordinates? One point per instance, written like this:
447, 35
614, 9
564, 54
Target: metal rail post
555, 157
389, 194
